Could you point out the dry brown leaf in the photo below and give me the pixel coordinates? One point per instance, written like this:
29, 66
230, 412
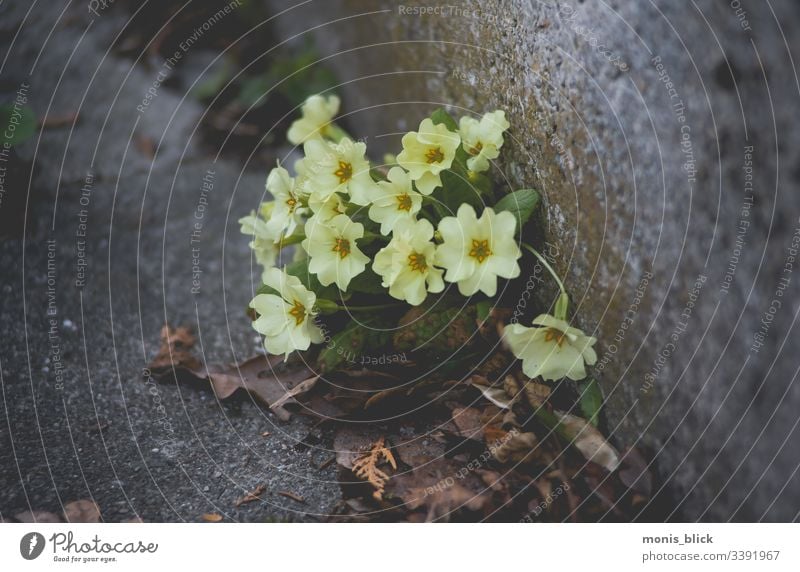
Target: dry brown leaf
534, 393
262, 376
175, 350
365, 466
291, 495
496, 395
253, 495
517, 448
443, 502
589, 441
212, 517
468, 421
81, 511
302, 387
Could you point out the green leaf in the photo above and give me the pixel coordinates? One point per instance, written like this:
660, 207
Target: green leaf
484, 308
19, 123
591, 400
368, 282
342, 347
521, 204
458, 189
349, 345
441, 116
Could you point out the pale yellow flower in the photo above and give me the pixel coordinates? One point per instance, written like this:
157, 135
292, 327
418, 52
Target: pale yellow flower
482, 139
338, 168
394, 201
475, 251
553, 350
325, 210
317, 115
288, 209
286, 319
406, 264
264, 244
428, 152
331, 245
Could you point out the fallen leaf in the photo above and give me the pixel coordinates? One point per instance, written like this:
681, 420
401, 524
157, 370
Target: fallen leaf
589, 441
175, 350
516, 447
365, 466
443, 502
81, 511
251, 496
349, 443
212, 517
39, 516
468, 421
292, 496
302, 387
496, 395
420, 450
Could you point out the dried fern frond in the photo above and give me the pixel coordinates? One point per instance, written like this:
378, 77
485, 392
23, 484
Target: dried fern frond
365, 466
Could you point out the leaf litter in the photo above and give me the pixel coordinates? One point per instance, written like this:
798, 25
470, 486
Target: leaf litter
492, 446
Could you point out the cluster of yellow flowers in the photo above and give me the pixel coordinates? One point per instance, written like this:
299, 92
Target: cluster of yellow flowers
354, 221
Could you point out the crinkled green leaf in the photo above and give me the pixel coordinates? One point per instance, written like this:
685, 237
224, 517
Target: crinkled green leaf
591, 400
367, 283
440, 116
521, 204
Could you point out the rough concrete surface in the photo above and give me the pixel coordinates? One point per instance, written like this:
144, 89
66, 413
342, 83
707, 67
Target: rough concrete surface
98, 429
639, 181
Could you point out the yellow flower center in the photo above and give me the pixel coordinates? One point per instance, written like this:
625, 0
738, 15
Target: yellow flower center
291, 202
417, 262
344, 172
404, 202
298, 312
480, 250
434, 155
475, 150
342, 246
551, 334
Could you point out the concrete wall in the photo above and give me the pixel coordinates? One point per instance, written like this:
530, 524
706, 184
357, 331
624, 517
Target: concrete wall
639, 122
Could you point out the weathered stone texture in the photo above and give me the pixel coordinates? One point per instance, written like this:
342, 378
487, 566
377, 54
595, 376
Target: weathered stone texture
635, 181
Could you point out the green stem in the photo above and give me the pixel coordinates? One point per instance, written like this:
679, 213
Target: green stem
546, 264
335, 133
294, 239
368, 308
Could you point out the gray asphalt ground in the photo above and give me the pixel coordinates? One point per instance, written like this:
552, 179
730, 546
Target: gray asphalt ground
90, 425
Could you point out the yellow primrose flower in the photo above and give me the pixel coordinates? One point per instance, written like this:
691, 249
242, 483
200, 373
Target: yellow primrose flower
428, 152
315, 123
553, 350
286, 319
475, 251
483, 139
394, 201
338, 168
333, 251
406, 263
264, 244
287, 212
325, 210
